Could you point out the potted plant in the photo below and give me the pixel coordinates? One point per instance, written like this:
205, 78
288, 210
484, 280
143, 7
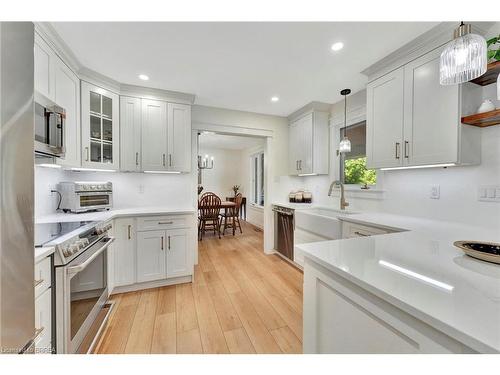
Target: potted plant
493, 54
236, 188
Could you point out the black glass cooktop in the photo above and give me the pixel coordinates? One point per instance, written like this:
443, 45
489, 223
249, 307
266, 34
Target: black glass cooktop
48, 232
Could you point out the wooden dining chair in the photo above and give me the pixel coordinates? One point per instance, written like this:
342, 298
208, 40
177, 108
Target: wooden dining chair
209, 211
231, 217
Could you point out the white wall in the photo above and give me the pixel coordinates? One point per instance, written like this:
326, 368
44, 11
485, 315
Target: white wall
129, 189
225, 174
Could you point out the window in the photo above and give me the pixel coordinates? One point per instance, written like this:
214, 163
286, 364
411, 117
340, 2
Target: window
353, 164
257, 161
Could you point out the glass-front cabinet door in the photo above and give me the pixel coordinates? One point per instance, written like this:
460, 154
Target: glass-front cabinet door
100, 127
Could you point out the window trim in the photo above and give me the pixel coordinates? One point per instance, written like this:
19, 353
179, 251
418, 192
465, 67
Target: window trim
340, 133
258, 173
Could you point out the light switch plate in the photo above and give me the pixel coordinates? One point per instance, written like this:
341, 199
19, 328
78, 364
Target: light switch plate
488, 193
435, 193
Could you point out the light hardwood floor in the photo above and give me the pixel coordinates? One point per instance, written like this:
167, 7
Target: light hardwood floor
241, 301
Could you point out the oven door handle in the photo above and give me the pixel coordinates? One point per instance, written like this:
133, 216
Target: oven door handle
76, 269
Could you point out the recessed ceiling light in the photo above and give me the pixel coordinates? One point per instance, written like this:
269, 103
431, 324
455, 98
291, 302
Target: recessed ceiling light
337, 46
143, 77
275, 99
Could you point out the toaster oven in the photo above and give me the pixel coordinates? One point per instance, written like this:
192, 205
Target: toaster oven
85, 196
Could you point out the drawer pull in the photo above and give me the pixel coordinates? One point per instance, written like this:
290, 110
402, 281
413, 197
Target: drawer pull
168, 242
162, 243
128, 231
361, 234
38, 282
165, 222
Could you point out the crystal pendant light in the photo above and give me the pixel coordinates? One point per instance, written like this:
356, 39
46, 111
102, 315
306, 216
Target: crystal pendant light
345, 143
464, 58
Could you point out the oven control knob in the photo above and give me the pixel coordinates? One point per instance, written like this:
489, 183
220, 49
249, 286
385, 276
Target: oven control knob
65, 251
85, 241
73, 248
80, 244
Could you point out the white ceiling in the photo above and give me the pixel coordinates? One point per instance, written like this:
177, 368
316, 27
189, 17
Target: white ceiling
239, 65
228, 142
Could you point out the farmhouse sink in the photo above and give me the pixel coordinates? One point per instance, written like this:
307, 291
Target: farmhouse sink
319, 223
329, 212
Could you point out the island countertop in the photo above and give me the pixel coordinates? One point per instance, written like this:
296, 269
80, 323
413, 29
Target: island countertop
420, 271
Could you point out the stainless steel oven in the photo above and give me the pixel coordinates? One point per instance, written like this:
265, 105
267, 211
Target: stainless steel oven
81, 289
49, 127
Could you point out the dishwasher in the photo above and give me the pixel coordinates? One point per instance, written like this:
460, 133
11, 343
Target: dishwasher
283, 228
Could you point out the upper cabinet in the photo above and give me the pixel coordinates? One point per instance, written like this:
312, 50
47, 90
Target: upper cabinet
100, 127
308, 144
179, 137
57, 82
130, 134
412, 120
155, 136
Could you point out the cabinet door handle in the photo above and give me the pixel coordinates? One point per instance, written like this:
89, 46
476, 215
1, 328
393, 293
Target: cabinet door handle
165, 222
169, 242
136, 158
397, 150
128, 230
87, 154
296, 165
162, 243
163, 158
361, 234
406, 149
169, 160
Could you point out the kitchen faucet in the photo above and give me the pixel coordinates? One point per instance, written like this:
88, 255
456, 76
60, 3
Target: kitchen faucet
343, 203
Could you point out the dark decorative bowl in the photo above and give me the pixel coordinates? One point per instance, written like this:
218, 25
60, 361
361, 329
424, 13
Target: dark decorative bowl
488, 251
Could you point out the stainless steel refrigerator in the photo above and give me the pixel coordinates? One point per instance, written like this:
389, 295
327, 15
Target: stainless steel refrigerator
17, 304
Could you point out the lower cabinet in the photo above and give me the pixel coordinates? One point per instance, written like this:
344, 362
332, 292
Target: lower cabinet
153, 255
124, 252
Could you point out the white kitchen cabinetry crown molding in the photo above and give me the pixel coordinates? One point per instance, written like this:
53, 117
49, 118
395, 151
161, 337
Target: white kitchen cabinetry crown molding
309, 108
64, 52
435, 37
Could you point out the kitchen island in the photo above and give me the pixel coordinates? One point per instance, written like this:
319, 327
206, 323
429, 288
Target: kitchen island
405, 292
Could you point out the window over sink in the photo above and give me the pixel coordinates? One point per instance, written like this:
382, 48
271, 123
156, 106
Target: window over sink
353, 170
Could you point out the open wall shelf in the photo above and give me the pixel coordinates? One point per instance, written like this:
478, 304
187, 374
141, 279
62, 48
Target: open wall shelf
490, 76
483, 119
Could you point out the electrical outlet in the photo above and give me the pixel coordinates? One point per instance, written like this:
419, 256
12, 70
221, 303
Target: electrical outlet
435, 194
488, 193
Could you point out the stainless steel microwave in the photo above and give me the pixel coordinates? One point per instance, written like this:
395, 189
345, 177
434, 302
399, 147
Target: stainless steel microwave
49, 128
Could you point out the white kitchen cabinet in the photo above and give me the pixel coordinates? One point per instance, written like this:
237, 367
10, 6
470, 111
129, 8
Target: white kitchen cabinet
412, 120
431, 114
130, 134
342, 318
177, 255
57, 82
124, 249
154, 135
166, 136
100, 127
384, 119
44, 63
308, 144
151, 247
67, 95
43, 322
179, 137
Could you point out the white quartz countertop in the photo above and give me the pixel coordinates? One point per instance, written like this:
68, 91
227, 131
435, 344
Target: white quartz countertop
42, 253
421, 272
295, 206
114, 213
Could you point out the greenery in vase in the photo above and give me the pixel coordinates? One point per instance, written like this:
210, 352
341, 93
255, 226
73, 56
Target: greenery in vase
235, 189
493, 54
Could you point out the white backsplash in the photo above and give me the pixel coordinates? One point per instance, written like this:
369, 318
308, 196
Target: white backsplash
129, 189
